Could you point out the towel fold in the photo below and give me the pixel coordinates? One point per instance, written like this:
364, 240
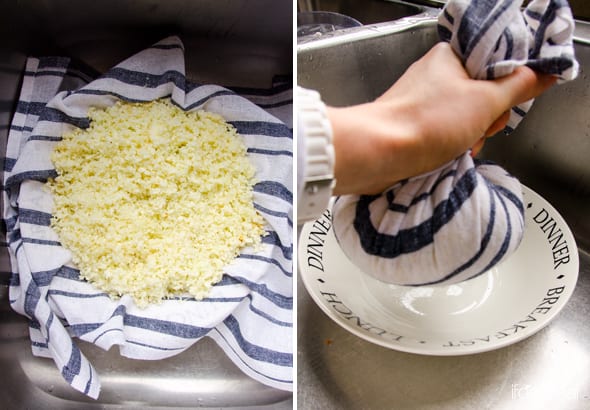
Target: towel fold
462, 219
249, 313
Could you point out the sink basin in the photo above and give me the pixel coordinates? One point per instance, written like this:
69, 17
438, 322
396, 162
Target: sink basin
369, 59
100, 34
366, 12
548, 152
202, 376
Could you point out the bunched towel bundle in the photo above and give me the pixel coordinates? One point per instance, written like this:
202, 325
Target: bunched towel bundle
457, 222
443, 227
248, 313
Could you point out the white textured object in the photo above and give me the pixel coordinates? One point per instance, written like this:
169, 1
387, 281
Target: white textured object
443, 227
316, 159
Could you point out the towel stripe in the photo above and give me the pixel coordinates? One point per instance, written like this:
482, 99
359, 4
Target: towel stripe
89, 91
35, 217
269, 152
485, 240
143, 79
224, 343
72, 367
410, 240
275, 189
271, 261
420, 197
505, 244
54, 115
255, 351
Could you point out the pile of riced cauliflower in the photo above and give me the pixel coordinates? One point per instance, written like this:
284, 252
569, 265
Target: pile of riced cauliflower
153, 201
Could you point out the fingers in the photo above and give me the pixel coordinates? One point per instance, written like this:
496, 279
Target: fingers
478, 146
522, 85
496, 127
499, 124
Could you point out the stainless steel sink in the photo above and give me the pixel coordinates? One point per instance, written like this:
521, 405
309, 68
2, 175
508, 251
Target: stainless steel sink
202, 376
236, 44
374, 13
366, 12
549, 152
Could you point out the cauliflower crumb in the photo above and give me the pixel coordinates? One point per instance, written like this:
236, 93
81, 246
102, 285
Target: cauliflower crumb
153, 201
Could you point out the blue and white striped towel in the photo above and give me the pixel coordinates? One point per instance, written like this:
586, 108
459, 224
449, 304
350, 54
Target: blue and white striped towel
493, 37
460, 220
441, 228
249, 313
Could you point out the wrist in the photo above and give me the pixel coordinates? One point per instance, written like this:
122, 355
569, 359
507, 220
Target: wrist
371, 143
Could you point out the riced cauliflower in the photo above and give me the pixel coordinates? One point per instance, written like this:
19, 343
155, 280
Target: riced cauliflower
153, 201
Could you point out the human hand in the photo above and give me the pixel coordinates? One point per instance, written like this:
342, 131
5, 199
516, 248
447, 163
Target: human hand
431, 115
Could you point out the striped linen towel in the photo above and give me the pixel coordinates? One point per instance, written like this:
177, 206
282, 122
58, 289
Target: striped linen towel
249, 313
493, 37
460, 220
